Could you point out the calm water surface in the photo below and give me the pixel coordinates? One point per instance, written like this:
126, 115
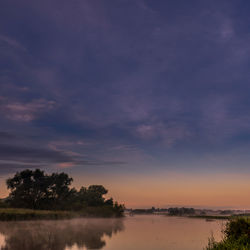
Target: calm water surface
149, 232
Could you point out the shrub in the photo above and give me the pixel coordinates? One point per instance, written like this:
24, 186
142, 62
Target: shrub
236, 236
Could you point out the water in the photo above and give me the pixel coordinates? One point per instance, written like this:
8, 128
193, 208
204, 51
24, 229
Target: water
146, 232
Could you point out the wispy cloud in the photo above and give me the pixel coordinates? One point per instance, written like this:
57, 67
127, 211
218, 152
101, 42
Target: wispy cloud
5, 40
25, 112
169, 134
29, 154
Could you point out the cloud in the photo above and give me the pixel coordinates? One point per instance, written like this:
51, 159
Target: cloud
25, 112
30, 154
220, 119
65, 165
6, 136
98, 88
14, 157
5, 40
101, 163
166, 133
8, 168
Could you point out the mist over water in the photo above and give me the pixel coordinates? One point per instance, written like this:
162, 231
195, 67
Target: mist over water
58, 235
139, 232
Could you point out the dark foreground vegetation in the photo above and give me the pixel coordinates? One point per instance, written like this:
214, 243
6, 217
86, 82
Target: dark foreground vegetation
236, 236
36, 195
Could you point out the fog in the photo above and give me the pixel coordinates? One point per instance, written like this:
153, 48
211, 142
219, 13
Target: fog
58, 235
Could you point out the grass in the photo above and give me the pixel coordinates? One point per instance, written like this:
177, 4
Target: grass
16, 214
10, 214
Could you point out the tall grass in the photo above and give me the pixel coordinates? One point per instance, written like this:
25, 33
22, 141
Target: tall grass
14, 214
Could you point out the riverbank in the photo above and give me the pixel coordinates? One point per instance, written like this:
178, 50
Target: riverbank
16, 214
211, 217
221, 217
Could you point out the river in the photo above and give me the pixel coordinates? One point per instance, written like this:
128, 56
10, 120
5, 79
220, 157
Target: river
140, 232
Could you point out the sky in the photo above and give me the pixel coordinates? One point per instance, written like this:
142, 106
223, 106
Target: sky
149, 98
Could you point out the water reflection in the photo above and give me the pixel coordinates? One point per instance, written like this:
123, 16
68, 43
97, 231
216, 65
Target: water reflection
58, 235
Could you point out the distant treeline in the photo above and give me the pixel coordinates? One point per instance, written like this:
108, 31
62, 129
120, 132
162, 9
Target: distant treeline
181, 211
170, 211
33, 189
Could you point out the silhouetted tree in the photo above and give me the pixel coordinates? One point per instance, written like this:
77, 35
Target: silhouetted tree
59, 192
181, 211
28, 188
95, 195
37, 190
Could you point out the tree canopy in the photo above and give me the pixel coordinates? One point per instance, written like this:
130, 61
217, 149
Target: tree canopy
180, 211
36, 190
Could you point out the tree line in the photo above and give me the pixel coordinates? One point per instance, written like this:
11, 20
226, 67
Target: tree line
34, 189
181, 211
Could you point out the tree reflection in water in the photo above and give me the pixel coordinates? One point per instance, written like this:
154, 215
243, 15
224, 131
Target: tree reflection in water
57, 235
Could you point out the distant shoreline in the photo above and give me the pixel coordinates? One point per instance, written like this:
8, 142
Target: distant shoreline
194, 216
19, 214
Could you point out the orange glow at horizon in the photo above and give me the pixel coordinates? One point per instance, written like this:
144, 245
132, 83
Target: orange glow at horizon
210, 190
175, 189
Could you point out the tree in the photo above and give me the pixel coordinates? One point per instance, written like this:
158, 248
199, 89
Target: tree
59, 191
93, 196
28, 188
180, 211
34, 189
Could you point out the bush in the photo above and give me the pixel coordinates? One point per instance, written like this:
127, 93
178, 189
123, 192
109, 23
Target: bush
236, 236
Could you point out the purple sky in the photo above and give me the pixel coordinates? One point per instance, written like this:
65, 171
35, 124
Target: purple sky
125, 87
